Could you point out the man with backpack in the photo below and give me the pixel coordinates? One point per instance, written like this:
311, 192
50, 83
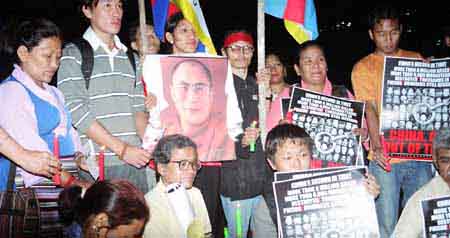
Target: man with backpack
104, 98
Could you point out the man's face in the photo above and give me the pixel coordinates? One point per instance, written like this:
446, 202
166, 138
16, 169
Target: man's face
239, 54
292, 155
386, 36
105, 17
174, 172
152, 39
192, 94
442, 162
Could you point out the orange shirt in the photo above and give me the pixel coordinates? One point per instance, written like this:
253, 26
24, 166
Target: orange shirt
367, 77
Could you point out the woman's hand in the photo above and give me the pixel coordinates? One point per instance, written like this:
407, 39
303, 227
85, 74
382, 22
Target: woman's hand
40, 163
150, 101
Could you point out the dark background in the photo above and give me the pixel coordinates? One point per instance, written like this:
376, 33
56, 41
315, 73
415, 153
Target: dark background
342, 25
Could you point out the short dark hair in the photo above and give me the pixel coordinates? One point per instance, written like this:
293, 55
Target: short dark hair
306, 45
192, 61
30, 33
382, 11
167, 144
173, 21
282, 133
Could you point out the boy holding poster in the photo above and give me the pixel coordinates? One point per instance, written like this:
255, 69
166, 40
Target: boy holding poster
288, 148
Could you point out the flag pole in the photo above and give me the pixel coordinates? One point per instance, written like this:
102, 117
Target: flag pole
142, 25
262, 88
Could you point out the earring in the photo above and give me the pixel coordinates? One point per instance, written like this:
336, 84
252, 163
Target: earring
96, 230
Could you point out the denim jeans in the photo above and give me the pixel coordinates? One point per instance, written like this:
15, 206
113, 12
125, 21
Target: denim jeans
407, 177
247, 208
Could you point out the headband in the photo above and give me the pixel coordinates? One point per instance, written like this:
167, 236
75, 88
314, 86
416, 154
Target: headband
238, 36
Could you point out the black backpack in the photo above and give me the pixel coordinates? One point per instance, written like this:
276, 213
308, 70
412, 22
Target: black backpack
87, 58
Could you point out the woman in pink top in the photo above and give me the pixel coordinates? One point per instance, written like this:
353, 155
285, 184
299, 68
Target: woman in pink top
279, 89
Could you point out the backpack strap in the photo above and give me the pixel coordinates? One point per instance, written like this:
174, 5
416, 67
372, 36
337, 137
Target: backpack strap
131, 58
87, 58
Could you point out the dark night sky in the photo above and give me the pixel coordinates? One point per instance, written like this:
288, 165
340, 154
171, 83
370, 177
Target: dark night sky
344, 47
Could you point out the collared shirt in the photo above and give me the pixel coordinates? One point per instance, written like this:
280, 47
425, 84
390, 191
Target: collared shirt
163, 221
410, 224
96, 42
18, 116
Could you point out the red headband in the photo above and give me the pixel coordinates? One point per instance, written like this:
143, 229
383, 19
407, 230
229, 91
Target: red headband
238, 36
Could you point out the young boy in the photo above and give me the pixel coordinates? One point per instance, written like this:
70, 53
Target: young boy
288, 148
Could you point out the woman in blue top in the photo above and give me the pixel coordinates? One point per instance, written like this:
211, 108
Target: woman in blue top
34, 115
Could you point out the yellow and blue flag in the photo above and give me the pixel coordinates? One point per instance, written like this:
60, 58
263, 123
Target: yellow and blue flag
163, 9
299, 17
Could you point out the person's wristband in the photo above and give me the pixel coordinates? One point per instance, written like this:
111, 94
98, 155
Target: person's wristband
269, 97
124, 150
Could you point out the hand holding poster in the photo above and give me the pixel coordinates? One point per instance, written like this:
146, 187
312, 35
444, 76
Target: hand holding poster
195, 98
329, 121
415, 103
436, 217
334, 204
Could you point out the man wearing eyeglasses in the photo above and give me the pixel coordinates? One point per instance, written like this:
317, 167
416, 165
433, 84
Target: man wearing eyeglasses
242, 180
410, 223
176, 162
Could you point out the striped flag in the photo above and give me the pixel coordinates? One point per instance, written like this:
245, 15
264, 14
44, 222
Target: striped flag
163, 9
299, 17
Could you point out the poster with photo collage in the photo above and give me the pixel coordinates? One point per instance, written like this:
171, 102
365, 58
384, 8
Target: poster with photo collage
415, 103
334, 204
329, 121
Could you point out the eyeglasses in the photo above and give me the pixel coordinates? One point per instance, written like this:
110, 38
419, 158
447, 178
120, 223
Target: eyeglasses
186, 165
197, 88
246, 49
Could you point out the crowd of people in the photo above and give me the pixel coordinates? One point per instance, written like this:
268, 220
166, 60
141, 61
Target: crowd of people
106, 113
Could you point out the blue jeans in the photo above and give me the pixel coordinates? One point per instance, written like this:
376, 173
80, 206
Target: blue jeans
247, 208
407, 177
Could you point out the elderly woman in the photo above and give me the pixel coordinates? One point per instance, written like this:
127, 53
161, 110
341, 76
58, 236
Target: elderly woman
33, 114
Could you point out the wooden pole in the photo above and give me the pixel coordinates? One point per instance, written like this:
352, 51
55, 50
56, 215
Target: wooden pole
262, 88
142, 26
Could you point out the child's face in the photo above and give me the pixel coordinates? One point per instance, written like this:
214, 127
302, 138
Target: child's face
292, 155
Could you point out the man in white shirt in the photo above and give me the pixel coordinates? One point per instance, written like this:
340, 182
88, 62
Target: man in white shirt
410, 224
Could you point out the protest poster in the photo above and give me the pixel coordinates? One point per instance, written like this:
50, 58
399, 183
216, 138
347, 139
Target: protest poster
329, 121
436, 217
415, 103
284, 107
195, 98
334, 204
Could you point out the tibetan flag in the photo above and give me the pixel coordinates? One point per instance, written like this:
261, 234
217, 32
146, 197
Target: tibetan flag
299, 17
162, 10
193, 13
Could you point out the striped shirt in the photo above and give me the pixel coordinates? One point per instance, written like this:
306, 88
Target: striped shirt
114, 94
